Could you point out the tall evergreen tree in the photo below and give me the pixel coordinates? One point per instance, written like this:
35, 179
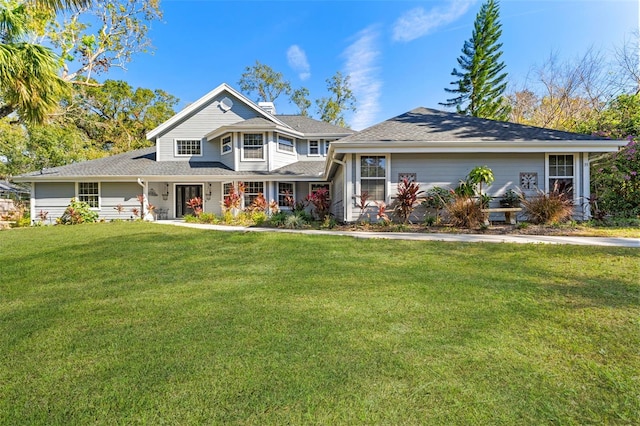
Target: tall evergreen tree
481, 80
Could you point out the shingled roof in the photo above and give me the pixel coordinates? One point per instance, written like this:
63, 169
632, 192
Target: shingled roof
429, 125
310, 126
142, 163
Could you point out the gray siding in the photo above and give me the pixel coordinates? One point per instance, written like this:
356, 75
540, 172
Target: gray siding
197, 125
280, 158
303, 151
53, 198
123, 193
446, 170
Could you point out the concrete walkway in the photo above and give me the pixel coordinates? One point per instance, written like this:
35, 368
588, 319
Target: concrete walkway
466, 238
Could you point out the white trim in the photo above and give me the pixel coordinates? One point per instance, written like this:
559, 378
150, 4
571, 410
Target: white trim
175, 147
326, 144
244, 200
284, 151
77, 187
175, 194
348, 189
222, 138
264, 147
319, 142
387, 170
323, 184
586, 187
454, 147
576, 180
32, 202
206, 99
293, 194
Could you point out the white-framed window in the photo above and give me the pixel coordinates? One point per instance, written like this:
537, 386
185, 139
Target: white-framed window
285, 189
372, 174
314, 186
326, 147
314, 148
188, 147
89, 192
286, 144
561, 175
251, 191
253, 146
226, 144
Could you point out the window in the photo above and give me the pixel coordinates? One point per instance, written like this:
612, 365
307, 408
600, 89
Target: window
326, 147
89, 192
320, 185
314, 148
285, 144
252, 146
226, 145
186, 147
373, 176
286, 194
251, 191
561, 176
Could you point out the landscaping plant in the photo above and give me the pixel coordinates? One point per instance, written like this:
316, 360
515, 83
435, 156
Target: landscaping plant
479, 175
464, 212
362, 202
542, 208
321, 203
195, 204
77, 212
406, 199
437, 198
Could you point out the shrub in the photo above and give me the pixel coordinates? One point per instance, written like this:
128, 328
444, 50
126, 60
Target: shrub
77, 212
328, 223
510, 199
207, 218
278, 219
295, 221
382, 213
549, 208
195, 204
406, 199
259, 204
321, 203
437, 198
258, 217
362, 203
464, 212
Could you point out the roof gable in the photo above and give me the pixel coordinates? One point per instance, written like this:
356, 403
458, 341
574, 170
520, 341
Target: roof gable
203, 101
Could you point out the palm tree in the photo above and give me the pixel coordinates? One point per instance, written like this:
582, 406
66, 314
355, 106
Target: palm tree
29, 80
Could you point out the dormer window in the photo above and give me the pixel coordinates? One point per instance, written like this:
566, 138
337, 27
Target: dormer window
314, 148
253, 146
285, 144
188, 147
226, 145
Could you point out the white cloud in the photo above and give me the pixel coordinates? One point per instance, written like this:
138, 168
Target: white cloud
418, 22
297, 59
363, 70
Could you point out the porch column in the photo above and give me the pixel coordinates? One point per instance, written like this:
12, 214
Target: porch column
586, 186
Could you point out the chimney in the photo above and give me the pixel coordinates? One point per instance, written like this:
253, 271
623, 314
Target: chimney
268, 106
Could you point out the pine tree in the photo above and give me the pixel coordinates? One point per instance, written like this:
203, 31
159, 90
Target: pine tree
481, 82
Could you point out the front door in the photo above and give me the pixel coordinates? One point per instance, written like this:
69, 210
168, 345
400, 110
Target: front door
183, 194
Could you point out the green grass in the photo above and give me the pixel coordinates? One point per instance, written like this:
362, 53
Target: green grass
138, 323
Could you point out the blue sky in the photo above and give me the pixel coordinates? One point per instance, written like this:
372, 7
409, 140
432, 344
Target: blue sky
399, 54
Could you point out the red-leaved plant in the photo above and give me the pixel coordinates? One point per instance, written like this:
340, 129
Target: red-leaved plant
382, 213
406, 199
195, 204
362, 203
321, 202
233, 200
259, 204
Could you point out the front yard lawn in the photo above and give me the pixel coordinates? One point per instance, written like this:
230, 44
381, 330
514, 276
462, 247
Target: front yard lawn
127, 323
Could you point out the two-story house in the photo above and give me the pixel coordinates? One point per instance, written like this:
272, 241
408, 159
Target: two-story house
224, 139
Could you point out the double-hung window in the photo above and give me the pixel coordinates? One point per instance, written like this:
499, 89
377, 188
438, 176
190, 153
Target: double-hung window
226, 145
373, 176
314, 148
89, 192
188, 147
253, 146
285, 194
561, 174
285, 144
251, 191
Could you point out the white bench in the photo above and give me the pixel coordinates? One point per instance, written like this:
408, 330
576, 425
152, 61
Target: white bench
510, 214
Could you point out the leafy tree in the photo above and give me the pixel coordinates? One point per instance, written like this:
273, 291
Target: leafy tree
116, 116
479, 175
331, 109
300, 97
92, 37
481, 80
264, 82
620, 119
